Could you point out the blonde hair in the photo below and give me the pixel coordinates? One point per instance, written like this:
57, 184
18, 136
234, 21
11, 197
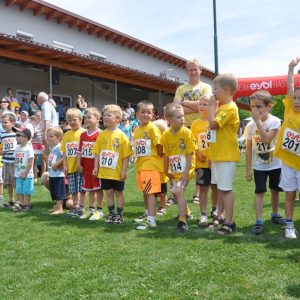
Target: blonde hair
115, 109
144, 103
161, 124
171, 108
262, 95
227, 80
193, 61
56, 131
10, 116
93, 111
73, 113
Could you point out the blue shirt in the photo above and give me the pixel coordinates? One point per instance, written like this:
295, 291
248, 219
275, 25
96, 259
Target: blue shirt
127, 130
54, 156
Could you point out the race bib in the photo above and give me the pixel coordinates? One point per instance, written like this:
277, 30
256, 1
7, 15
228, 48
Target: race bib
211, 136
142, 147
108, 159
177, 163
260, 146
291, 141
21, 161
202, 141
86, 150
71, 149
9, 144
51, 160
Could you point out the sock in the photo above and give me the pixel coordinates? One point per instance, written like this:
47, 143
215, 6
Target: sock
188, 211
120, 210
182, 219
146, 212
289, 222
111, 209
151, 219
99, 208
204, 214
259, 222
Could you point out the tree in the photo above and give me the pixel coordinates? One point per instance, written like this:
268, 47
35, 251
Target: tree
244, 114
278, 107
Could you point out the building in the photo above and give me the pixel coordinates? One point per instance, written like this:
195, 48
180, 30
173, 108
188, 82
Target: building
44, 47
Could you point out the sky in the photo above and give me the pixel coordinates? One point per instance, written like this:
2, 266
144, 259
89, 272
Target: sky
255, 37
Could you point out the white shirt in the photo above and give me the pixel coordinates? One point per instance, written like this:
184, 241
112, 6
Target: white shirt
49, 114
22, 155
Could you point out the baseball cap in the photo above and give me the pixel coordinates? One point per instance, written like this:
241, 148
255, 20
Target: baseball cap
25, 131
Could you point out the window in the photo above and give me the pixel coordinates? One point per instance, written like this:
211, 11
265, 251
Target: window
67, 100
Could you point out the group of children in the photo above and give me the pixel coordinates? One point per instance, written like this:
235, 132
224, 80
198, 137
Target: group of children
95, 161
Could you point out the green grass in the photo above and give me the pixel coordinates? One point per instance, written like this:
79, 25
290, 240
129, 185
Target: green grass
55, 257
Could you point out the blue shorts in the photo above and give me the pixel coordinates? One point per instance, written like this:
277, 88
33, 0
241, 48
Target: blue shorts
74, 183
109, 184
57, 188
24, 186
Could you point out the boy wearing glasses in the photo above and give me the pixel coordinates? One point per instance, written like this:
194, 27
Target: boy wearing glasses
24, 156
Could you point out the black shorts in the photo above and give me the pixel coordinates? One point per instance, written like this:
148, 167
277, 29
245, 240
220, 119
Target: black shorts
260, 179
163, 189
109, 184
203, 176
57, 188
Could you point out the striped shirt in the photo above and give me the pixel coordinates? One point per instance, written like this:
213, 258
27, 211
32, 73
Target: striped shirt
9, 144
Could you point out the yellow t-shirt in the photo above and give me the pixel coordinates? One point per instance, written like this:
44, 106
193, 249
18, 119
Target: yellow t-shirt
288, 142
146, 139
192, 93
13, 105
225, 147
177, 147
199, 130
111, 147
69, 146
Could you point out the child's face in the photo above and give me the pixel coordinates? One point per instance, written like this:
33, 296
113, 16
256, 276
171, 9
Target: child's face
145, 114
74, 123
21, 138
91, 121
52, 139
110, 119
177, 120
296, 102
203, 106
262, 109
23, 118
6, 124
218, 91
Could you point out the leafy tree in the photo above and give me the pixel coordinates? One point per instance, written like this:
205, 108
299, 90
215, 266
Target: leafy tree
278, 107
244, 114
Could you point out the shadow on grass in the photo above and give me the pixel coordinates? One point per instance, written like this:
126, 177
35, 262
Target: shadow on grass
293, 290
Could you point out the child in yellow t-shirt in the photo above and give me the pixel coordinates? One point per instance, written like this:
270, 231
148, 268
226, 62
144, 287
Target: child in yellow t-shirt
69, 147
203, 173
288, 150
112, 151
179, 146
149, 165
223, 146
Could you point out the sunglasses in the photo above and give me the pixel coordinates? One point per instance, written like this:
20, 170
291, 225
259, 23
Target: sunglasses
124, 120
18, 135
3, 102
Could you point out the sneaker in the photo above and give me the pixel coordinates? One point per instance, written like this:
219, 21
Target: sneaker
161, 211
147, 225
196, 199
214, 214
278, 220
109, 219
189, 216
215, 223
17, 207
118, 219
182, 227
171, 201
10, 204
140, 219
290, 232
257, 229
27, 207
227, 229
72, 212
97, 215
87, 214
203, 221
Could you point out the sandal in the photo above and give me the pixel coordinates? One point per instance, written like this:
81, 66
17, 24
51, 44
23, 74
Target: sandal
257, 229
196, 199
161, 211
216, 222
278, 220
171, 201
227, 229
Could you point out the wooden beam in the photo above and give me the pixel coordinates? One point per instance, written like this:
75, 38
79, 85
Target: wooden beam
126, 42
109, 35
10, 2
73, 23
62, 19
132, 45
118, 39
86, 71
84, 26
93, 30
53, 14
38, 10
25, 5
101, 32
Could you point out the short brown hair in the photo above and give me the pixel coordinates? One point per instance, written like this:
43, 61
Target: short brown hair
227, 80
10, 116
144, 103
262, 95
73, 112
193, 61
93, 111
170, 108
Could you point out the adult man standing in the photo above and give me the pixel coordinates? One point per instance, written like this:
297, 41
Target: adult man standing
188, 94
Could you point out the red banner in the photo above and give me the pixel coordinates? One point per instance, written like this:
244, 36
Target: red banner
276, 85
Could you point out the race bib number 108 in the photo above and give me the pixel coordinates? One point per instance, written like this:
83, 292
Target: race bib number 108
142, 147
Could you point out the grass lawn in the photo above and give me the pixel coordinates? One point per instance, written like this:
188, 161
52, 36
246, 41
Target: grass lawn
56, 257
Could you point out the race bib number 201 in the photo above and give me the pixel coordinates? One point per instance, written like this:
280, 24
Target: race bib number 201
291, 141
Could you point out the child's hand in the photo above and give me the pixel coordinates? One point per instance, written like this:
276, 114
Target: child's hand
79, 168
95, 172
170, 176
54, 167
184, 179
123, 175
249, 175
23, 176
255, 114
294, 63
